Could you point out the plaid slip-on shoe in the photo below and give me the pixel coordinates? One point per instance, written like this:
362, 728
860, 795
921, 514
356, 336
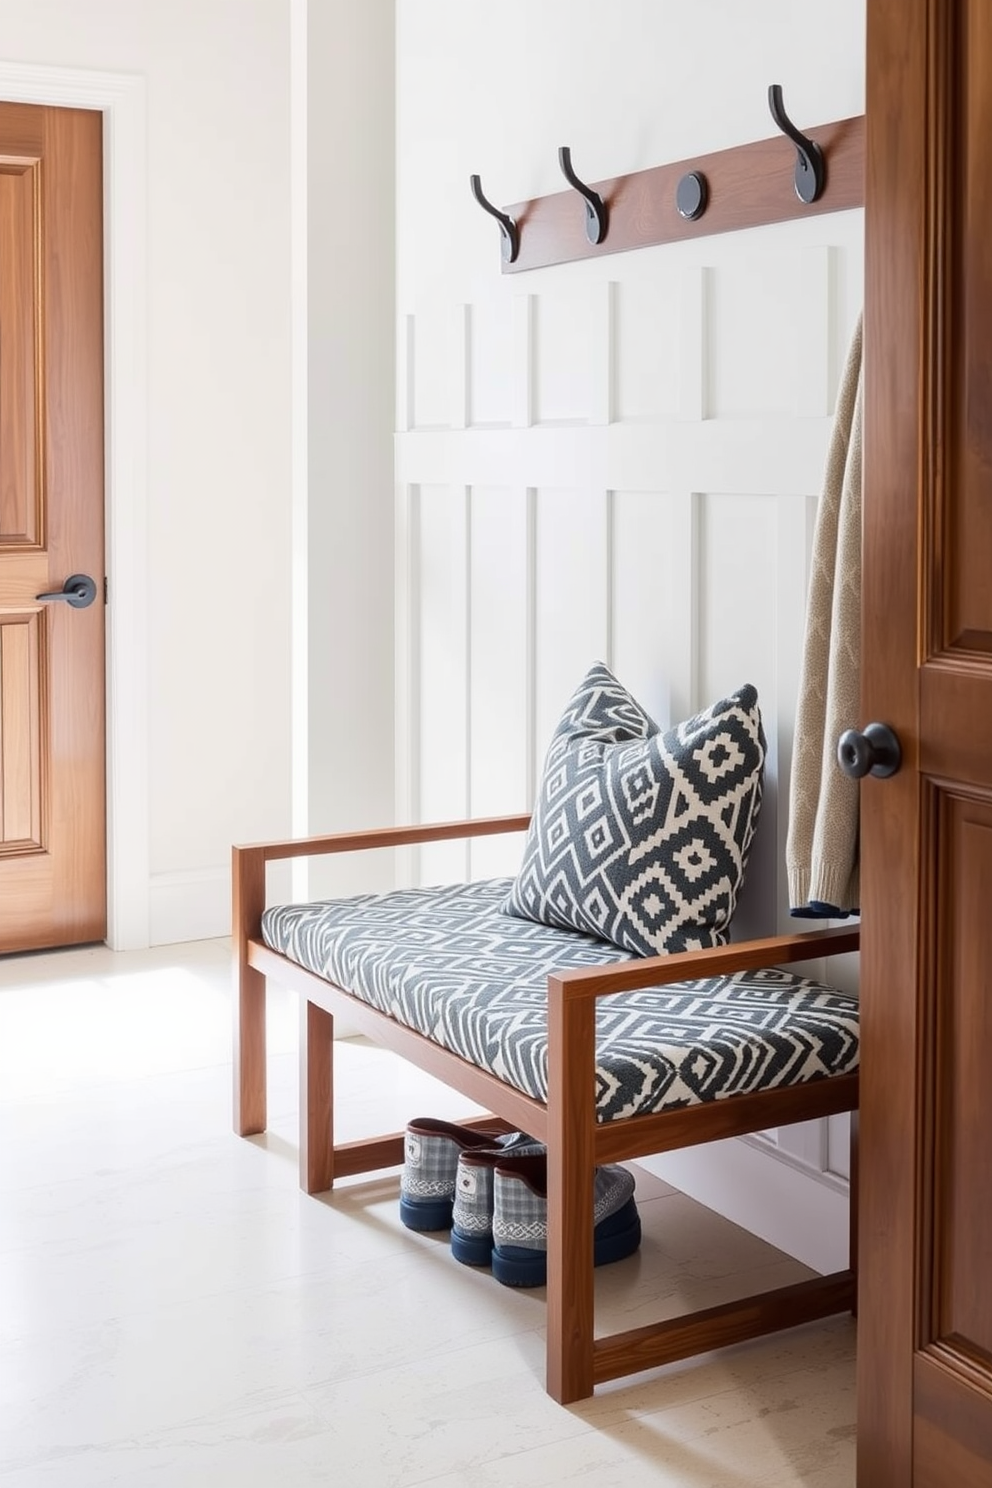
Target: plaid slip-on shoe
472, 1215
431, 1151
520, 1218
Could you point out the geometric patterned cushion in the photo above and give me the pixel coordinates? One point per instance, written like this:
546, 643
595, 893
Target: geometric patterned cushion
448, 963
638, 837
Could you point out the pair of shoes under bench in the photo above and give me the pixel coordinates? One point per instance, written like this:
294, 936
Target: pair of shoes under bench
491, 1190
500, 1214
475, 1183
431, 1153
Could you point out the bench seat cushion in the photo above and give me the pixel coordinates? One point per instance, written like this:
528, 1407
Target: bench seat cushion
446, 962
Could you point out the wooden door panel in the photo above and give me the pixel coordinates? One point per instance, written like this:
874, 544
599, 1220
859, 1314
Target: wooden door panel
953, 1434
22, 673
957, 1313
953, 692
21, 432
969, 296
52, 731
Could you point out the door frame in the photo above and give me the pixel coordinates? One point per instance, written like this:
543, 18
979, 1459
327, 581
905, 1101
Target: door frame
121, 98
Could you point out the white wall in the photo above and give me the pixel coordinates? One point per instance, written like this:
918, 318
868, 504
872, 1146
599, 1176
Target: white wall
269, 481
351, 360
218, 416
617, 459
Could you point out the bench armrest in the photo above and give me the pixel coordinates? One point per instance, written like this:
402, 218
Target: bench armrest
687, 966
337, 842
248, 862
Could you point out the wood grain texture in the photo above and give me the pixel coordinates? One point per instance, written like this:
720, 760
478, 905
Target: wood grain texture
22, 678
959, 1305
371, 1153
21, 386
896, 332
316, 1109
52, 516
749, 185
854, 1196
571, 1164
737, 1116
925, 1309
967, 520
953, 1434
720, 1326
660, 971
338, 842
248, 1023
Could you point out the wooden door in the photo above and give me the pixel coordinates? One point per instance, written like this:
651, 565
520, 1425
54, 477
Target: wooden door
52, 791
925, 1314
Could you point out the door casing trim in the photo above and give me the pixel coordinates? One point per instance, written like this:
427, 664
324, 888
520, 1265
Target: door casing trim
121, 98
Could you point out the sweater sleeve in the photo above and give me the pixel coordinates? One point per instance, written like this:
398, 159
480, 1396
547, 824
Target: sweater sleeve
822, 843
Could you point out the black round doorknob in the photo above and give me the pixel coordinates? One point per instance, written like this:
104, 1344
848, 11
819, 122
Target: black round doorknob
875, 752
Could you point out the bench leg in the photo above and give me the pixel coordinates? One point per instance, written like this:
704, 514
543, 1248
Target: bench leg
316, 1098
571, 1062
249, 1053
570, 1277
248, 878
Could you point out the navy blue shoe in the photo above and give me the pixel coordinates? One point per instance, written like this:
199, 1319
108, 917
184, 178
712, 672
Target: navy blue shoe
472, 1218
430, 1161
520, 1219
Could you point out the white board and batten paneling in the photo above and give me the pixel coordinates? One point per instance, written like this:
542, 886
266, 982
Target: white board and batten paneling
621, 461
613, 460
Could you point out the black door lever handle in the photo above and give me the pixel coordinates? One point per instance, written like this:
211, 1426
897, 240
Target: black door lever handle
79, 590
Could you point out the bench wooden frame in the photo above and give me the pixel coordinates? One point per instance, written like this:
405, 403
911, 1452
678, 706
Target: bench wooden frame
576, 1360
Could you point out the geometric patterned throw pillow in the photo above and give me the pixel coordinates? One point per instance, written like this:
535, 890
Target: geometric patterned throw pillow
639, 837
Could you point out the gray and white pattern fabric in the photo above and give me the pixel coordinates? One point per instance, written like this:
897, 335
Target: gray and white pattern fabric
431, 1149
429, 1166
472, 1214
448, 963
641, 837
520, 1212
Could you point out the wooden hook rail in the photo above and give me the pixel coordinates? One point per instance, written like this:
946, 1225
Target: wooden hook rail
747, 186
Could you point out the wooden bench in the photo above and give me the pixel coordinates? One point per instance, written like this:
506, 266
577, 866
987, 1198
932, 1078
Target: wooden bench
566, 1121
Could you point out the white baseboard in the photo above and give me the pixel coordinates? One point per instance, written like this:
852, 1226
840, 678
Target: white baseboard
192, 905
799, 1211
195, 904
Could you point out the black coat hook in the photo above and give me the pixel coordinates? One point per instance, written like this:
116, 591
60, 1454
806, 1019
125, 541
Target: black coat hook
597, 212
509, 233
811, 168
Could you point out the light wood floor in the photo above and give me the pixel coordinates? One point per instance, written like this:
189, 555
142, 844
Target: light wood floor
175, 1314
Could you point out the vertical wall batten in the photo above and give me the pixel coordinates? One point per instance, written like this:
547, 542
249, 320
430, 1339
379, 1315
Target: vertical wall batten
534, 758
694, 344
603, 317
523, 355
609, 577
405, 373
469, 630
407, 660
461, 365
814, 374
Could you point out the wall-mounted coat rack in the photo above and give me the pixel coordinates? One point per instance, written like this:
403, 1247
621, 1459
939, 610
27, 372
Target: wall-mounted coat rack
792, 174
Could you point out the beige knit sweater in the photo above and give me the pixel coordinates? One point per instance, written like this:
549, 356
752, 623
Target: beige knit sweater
822, 845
